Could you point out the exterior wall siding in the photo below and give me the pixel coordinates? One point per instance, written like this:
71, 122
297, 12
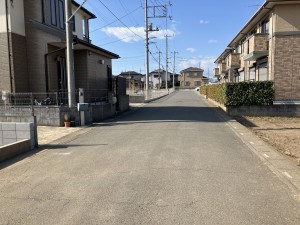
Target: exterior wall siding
19, 67
287, 67
287, 18
4, 63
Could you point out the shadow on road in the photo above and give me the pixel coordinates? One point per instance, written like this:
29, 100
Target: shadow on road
32, 153
163, 114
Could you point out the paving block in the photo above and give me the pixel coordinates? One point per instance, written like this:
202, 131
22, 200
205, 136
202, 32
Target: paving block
24, 126
1, 134
9, 134
8, 126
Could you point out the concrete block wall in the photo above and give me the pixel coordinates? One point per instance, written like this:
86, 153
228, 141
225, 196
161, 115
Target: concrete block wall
14, 132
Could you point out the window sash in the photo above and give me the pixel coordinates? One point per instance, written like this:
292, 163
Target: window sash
53, 12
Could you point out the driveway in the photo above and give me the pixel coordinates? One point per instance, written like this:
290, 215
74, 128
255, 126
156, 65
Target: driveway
173, 161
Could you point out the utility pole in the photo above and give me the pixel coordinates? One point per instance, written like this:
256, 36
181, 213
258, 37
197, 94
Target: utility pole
70, 52
147, 45
158, 11
70, 55
167, 62
159, 76
174, 67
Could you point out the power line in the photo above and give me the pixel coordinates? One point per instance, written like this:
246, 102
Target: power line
120, 20
116, 19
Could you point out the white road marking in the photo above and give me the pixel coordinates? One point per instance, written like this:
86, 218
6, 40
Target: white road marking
288, 175
242, 134
63, 153
252, 143
265, 155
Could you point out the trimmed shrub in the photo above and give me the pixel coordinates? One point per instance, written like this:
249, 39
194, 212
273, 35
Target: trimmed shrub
242, 93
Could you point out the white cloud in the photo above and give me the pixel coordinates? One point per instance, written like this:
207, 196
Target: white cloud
204, 21
124, 34
135, 34
191, 50
212, 41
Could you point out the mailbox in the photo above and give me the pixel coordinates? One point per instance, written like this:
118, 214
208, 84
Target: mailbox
83, 107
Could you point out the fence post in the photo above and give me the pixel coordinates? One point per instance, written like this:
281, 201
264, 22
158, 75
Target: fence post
56, 96
36, 143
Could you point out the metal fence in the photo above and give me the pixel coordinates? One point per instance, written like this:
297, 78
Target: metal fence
59, 98
151, 94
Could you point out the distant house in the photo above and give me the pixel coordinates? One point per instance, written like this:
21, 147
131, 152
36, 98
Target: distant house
33, 44
157, 79
192, 77
134, 80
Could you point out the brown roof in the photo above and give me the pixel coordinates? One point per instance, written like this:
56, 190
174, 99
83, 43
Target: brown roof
192, 69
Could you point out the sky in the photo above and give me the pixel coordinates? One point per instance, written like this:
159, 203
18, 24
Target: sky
198, 31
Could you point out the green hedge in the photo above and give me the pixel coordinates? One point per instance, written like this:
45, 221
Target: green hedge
242, 93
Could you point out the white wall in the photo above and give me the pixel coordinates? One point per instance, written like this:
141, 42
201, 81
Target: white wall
2, 17
16, 17
79, 17
17, 22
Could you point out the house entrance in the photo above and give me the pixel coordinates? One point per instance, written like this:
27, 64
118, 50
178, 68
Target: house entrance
62, 80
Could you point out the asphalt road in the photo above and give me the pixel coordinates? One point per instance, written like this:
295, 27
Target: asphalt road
174, 161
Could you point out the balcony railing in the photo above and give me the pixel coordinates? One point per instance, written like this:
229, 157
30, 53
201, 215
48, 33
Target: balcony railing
222, 67
233, 61
216, 72
258, 47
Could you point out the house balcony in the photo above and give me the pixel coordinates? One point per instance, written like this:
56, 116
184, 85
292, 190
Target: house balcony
222, 68
233, 61
216, 72
258, 47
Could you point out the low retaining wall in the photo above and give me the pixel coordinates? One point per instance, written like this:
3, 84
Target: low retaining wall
272, 110
11, 150
137, 99
13, 132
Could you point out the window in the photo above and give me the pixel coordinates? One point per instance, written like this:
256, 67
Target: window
73, 23
186, 83
53, 12
263, 72
61, 14
197, 83
252, 74
195, 74
265, 27
242, 76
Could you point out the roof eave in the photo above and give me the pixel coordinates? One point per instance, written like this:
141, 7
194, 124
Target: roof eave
92, 16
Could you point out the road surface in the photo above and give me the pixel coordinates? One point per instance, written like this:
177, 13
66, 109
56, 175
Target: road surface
173, 161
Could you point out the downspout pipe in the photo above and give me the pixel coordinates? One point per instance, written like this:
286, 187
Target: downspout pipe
8, 46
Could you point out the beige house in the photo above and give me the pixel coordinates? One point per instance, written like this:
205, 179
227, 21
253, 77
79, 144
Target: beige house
266, 48
192, 77
32, 48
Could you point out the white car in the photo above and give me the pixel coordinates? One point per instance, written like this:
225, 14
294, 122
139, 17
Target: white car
197, 89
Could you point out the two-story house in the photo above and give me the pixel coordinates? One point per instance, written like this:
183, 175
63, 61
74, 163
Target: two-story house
134, 80
192, 77
157, 79
266, 48
33, 45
